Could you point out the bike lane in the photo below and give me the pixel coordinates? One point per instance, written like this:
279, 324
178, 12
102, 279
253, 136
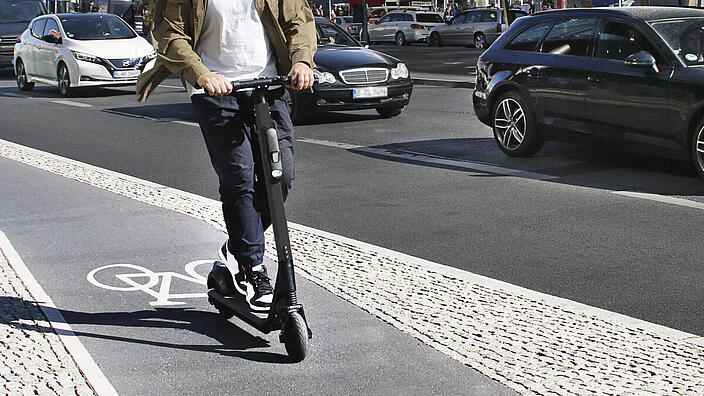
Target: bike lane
129, 279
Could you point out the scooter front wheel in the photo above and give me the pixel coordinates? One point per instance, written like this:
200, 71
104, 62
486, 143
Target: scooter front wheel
295, 337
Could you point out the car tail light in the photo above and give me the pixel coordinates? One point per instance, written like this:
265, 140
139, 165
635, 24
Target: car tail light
350, 28
498, 28
417, 26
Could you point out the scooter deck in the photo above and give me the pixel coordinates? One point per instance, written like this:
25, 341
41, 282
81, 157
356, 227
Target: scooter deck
238, 305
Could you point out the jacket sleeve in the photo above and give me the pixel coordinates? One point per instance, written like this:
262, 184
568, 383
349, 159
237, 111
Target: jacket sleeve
173, 45
298, 25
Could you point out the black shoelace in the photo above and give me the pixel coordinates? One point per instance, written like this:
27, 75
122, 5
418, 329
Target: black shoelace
260, 281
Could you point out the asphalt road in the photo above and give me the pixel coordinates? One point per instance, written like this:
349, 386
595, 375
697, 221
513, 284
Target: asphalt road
422, 59
569, 236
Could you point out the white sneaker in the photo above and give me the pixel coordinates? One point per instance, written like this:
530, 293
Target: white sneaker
235, 269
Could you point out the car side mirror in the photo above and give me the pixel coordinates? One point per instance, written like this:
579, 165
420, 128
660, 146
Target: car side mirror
52, 39
642, 59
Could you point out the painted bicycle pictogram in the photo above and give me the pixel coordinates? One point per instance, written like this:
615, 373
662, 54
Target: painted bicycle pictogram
131, 278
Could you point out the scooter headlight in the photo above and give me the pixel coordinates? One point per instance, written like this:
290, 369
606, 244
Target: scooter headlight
323, 77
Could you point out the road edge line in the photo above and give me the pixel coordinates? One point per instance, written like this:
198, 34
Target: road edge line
87, 366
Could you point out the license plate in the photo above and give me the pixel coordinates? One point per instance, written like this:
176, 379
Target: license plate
369, 92
125, 73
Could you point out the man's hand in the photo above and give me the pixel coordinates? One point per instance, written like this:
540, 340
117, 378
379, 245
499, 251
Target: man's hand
215, 84
301, 76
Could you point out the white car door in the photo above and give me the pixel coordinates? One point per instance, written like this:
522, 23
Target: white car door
34, 41
48, 50
376, 30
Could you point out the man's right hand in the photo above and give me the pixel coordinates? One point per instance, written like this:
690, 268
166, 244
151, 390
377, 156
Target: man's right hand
215, 84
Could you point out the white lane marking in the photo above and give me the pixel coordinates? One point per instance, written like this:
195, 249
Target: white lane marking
94, 376
189, 123
452, 63
662, 198
474, 166
424, 158
71, 103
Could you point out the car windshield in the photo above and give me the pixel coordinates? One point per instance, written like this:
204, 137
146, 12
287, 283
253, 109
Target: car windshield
20, 11
429, 18
685, 36
96, 27
329, 34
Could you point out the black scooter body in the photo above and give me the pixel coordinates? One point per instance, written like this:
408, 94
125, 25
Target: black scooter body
286, 313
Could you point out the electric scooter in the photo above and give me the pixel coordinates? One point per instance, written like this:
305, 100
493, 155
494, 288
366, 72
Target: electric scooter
285, 314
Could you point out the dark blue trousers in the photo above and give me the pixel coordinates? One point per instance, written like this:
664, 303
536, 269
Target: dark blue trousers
227, 123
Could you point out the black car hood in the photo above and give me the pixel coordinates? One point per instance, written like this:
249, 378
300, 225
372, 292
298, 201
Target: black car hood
341, 58
13, 29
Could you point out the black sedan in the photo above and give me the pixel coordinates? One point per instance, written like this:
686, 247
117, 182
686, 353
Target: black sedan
352, 77
632, 77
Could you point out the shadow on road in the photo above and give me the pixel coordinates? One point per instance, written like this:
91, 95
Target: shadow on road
590, 165
231, 340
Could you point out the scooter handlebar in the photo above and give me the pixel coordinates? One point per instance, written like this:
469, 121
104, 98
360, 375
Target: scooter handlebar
266, 82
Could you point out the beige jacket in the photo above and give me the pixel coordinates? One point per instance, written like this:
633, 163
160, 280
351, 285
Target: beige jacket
176, 28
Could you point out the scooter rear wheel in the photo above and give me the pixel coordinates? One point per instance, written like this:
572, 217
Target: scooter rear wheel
295, 337
221, 281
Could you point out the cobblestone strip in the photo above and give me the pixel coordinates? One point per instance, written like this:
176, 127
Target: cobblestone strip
532, 344
34, 360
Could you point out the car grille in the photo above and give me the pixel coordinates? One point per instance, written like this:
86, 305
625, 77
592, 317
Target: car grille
8, 40
364, 76
127, 63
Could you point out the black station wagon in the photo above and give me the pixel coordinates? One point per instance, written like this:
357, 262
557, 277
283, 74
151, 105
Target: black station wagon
632, 76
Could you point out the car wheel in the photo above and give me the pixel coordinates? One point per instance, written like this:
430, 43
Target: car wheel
22, 83
514, 130
434, 40
698, 148
400, 39
64, 81
479, 40
387, 112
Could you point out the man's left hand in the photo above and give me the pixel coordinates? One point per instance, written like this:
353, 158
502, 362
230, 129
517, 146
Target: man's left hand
301, 76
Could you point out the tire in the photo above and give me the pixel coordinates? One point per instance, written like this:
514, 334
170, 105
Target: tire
434, 40
513, 125
387, 112
479, 40
698, 148
295, 337
21, 73
63, 80
400, 39
221, 281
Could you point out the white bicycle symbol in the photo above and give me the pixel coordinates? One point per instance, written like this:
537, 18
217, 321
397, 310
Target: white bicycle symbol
145, 280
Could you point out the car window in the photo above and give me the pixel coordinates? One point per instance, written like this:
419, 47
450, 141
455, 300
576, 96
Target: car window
52, 28
14, 11
95, 27
489, 16
348, 19
329, 34
515, 14
459, 19
685, 36
618, 40
337, 20
407, 18
385, 18
38, 27
529, 38
570, 37
429, 18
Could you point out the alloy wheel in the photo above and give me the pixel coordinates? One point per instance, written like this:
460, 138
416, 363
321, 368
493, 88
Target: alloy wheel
700, 150
510, 123
400, 39
64, 81
23, 83
434, 40
479, 41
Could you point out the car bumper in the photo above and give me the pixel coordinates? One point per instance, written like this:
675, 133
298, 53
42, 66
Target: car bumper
418, 36
340, 97
93, 74
481, 107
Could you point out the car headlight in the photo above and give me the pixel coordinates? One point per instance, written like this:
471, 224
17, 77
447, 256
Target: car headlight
323, 77
150, 56
400, 71
85, 57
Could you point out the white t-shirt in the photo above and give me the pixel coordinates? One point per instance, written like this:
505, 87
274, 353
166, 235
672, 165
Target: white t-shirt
233, 42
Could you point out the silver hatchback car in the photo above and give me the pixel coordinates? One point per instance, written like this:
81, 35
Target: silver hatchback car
478, 27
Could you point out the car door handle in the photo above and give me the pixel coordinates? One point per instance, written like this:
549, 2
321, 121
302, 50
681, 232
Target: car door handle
596, 78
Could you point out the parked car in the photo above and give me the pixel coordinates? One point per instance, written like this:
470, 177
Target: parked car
14, 17
377, 12
404, 27
351, 77
477, 27
630, 77
347, 23
80, 50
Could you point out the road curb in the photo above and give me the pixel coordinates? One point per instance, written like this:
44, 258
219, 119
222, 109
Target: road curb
443, 83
